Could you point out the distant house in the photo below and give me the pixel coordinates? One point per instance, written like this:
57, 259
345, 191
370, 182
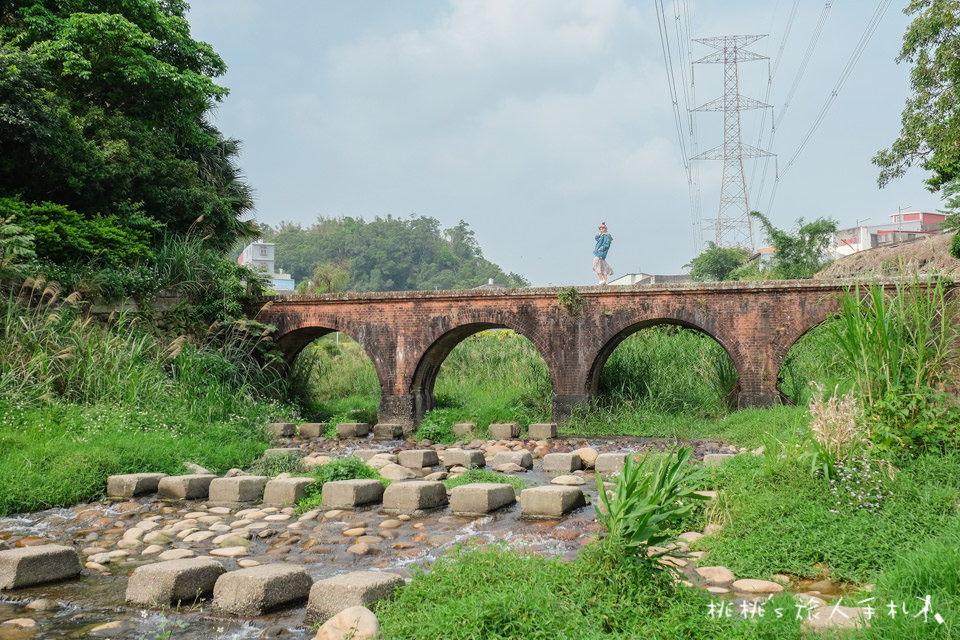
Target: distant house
647, 278
903, 227
259, 256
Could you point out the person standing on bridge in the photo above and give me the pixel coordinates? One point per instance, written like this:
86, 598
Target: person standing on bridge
600, 266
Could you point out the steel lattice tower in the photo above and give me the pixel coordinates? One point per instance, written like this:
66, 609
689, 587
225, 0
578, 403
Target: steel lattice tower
734, 227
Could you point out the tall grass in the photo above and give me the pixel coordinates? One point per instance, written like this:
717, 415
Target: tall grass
333, 377
905, 340
812, 358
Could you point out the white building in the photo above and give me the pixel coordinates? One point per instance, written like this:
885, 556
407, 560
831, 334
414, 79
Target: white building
259, 256
903, 227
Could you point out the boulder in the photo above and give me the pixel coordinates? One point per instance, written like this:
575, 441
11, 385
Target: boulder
355, 623
588, 455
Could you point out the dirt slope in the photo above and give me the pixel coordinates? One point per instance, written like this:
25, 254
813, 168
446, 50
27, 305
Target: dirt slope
923, 256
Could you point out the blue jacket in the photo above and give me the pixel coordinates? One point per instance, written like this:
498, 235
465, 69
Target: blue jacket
603, 245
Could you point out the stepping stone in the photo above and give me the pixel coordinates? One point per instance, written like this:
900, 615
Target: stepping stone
462, 429
463, 458
714, 459
282, 429
716, 574
550, 501
237, 489
395, 472
285, 491
610, 463
480, 498
350, 494
505, 431
358, 588
312, 429
133, 484
353, 430
414, 496
387, 431
521, 458
256, 590
418, 458
757, 586
27, 566
189, 487
542, 431
564, 462
173, 582
367, 454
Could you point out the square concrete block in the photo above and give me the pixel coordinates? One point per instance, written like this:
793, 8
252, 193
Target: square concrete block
418, 458
387, 431
542, 431
565, 462
27, 566
312, 429
256, 590
237, 489
193, 486
359, 588
133, 484
282, 429
349, 494
367, 454
416, 495
550, 502
353, 430
610, 463
285, 491
462, 429
172, 582
480, 498
505, 431
522, 458
463, 458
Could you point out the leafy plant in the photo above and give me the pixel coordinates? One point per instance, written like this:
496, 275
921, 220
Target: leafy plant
344, 469
639, 508
570, 298
481, 475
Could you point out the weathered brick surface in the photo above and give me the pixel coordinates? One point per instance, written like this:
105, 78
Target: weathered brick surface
409, 334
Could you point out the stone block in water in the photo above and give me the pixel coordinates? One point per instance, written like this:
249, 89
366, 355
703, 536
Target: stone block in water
413, 496
550, 501
505, 431
238, 489
463, 458
565, 462
282, 429
522, 458
172, 582
349, 494
610, 463
312, 429
133, 484
387, 431
462, 429
256, 590
353, 430
193, 486
27, 566
542, 431
367, 454
418, 458
359, 588
480, 498
285, 491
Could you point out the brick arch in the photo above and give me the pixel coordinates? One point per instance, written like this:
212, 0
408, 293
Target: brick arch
423, 380
293, 340
782, 347
613, 340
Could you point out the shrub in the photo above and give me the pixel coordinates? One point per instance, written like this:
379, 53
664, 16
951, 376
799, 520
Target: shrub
481, 475
345, 469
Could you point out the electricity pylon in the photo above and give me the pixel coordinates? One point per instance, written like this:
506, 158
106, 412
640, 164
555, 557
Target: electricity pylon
734, 227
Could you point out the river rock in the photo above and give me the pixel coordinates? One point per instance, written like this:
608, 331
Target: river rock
355, 623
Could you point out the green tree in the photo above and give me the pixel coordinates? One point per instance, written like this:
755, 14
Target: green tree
930, 128
103, 111
328, 278
802, 253
716, 263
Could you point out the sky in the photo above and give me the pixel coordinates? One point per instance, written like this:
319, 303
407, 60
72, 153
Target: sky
535, 120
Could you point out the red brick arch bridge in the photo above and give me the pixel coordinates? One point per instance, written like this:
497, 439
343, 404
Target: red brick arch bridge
409, 334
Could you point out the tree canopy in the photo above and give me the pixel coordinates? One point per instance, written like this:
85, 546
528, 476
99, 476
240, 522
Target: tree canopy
385, 254
799, 254
717, 263
930, 128
104, 114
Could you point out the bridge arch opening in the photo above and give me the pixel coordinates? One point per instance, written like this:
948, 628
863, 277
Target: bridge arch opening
483, 373
667, 366
811, 358
332, 377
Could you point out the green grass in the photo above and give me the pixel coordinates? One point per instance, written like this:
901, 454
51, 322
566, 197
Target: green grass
351, 468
